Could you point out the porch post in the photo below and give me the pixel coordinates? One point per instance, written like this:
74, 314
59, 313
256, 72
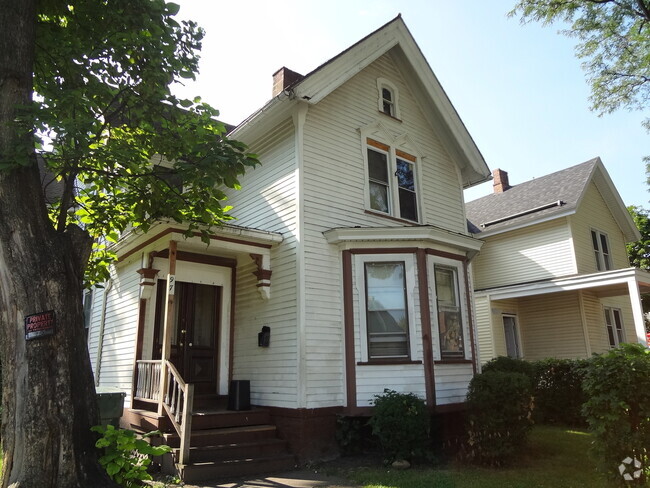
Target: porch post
637, 310
167, 324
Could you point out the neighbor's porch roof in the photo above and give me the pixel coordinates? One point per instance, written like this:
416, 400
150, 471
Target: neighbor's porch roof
604, 284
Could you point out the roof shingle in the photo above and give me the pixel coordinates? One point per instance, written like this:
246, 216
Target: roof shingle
515, 206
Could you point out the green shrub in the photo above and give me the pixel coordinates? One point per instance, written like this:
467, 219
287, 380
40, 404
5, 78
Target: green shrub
126, 455
617, 385
558, 391
350, 434
510, 365
401, 423
499, 417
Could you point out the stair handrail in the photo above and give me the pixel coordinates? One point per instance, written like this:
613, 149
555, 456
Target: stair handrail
178, 402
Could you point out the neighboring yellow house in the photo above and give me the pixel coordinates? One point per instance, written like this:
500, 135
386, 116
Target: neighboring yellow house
553, 279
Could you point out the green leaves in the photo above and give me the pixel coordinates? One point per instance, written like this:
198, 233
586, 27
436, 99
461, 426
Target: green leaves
613, 42
129, 152
401, 423
126, 455
617, 385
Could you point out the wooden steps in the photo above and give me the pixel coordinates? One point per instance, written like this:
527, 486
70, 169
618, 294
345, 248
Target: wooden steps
235, 467
224, 443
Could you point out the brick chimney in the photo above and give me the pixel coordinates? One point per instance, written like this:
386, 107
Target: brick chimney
500, 182
283, 78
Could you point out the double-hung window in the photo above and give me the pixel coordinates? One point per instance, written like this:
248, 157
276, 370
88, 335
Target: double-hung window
614, 324
386, 307
387, 101
392, 184
601, 250
449, 311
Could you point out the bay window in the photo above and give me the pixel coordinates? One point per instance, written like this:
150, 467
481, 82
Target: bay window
386, 306
449, 310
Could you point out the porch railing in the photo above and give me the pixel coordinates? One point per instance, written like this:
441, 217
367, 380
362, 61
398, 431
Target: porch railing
178, 402
147, 386
177, 399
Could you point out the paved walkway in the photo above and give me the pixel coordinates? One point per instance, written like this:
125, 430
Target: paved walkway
292, 479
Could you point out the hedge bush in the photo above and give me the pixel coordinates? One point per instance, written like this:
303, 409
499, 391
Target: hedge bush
617, 386
499, 416
510, 365
558, 392
556, 386
401, 423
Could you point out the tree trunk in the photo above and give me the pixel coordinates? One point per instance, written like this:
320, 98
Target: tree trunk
48, 400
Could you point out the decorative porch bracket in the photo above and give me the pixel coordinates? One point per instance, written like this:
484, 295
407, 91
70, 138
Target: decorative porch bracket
147, 280
263, 274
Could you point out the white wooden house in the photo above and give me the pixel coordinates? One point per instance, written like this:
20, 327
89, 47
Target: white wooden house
350, 254
553, 278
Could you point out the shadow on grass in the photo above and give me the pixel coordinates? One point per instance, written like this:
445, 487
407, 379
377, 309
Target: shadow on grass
557, 457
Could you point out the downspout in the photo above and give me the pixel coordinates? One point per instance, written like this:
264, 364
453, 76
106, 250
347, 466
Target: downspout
102, 323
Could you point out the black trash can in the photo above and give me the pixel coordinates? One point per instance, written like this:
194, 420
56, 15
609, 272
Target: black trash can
239, 395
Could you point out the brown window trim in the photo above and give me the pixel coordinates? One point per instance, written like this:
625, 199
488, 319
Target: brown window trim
406, 156
453, 361
390, 217
385, 362
378, 145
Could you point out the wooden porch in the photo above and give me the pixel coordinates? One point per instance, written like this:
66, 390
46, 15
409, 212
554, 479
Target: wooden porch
208, 440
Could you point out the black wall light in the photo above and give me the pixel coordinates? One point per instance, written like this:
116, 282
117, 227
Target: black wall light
264, 337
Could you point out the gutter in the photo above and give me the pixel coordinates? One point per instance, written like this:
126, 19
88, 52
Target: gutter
102, 324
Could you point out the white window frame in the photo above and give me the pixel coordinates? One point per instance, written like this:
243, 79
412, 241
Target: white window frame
618, 334
603, 260
462, 297
392, 154
517, 334
383, 83
360, 285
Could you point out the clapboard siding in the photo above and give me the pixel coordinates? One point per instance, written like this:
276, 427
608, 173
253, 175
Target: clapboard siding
551, 326
537, 252
593, 213
452, 381
334, 196
484, 329
269, 201
334, 180
373, 380
268, 197
118, 353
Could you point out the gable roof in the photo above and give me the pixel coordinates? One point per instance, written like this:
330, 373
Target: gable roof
546, 198
394, 38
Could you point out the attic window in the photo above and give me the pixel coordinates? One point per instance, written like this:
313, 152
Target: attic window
388, 98
387, 102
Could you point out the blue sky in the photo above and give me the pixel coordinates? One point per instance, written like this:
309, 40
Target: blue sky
518, 88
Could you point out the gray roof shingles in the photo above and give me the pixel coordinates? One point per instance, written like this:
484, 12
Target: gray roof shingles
566, 185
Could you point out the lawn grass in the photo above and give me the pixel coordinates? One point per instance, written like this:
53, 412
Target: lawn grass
556, 458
